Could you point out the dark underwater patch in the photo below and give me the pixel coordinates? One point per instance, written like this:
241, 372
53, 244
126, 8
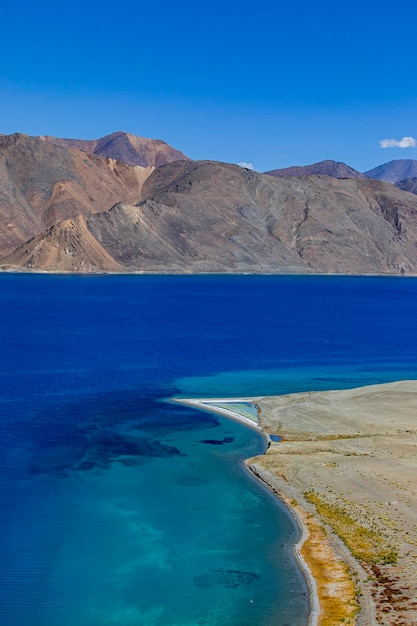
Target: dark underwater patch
131, 451
71, 438
218, 442
117, 426
230, 578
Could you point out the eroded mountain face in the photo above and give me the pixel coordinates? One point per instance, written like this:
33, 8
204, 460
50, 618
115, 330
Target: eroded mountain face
42, 183
408, 184
215, 217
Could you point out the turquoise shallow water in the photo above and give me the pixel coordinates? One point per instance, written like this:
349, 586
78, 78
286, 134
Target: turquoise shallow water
156, 537
252, 383
120, 508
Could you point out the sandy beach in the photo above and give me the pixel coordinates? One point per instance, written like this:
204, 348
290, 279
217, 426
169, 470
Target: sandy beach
346, 465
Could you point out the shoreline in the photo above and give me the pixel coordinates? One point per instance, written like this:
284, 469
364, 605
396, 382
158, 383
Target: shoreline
313, 618
209, 405
345, 467
170, 272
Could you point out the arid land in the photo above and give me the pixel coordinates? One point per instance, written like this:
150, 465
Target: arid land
347, 466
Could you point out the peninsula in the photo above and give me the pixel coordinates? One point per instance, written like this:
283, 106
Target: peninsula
346, 465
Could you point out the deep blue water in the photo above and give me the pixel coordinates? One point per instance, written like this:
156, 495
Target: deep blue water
118, 508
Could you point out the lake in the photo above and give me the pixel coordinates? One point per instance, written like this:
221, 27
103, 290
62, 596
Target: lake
121, 508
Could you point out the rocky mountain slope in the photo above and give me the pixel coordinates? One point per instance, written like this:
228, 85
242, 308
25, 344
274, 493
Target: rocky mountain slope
124, 147
42, 183
394, 171
409, 184
329, 168
214, 217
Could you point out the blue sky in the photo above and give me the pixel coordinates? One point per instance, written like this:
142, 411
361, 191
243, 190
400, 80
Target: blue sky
269, 83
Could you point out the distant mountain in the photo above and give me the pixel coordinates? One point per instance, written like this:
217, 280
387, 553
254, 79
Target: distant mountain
408, 184
394, 171
124, 147
329, 168
215, 217
42, 183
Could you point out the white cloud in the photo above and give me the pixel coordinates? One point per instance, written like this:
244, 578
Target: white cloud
405, 142
248, 166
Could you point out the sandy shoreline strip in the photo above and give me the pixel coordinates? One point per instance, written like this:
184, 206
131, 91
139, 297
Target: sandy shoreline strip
347, 467
212, 405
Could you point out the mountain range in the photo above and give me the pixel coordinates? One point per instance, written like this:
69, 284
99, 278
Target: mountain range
77, 206
395, 172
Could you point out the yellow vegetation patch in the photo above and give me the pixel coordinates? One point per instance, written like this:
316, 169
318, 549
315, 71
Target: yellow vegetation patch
336, 589
365, 543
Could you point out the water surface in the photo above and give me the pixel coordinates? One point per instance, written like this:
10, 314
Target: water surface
119, 508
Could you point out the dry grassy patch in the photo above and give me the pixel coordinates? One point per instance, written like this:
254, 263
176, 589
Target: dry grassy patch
336, 589
366, 544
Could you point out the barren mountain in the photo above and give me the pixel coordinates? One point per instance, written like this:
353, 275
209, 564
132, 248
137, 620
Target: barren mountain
213, 217
41, 184
124, 147
394, 171
329, 168
409, 184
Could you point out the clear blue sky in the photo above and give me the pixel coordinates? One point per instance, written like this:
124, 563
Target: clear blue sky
269, 83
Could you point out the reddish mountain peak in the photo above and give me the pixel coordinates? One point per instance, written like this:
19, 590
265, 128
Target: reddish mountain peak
126, 147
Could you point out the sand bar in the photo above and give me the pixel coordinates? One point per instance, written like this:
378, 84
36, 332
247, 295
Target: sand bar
347, 465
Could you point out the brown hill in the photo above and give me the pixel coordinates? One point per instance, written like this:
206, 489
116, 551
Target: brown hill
213, 217
41, 184
327, 168
124, 147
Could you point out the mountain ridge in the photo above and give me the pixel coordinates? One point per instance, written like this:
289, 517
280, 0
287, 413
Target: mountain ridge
71, 210
394, 171
126, 147
337, 169
206, 216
